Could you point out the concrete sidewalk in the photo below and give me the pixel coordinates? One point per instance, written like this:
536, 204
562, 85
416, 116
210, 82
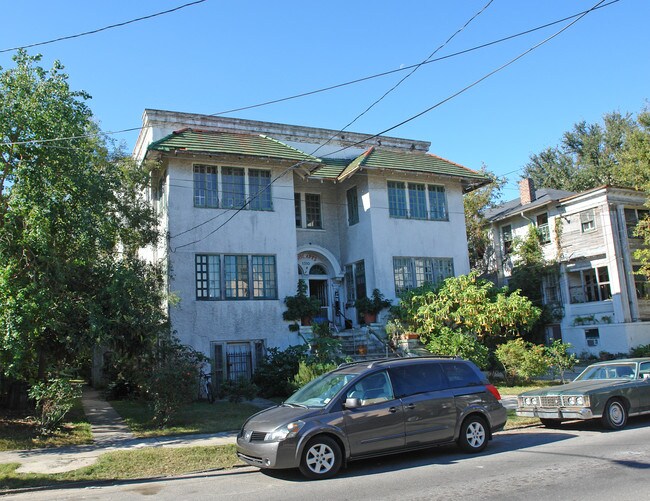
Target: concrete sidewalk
110, 433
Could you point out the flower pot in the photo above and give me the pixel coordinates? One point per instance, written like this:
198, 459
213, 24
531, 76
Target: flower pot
369, 318
362, 350
305, 321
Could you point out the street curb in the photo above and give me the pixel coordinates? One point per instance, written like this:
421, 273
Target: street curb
83, 484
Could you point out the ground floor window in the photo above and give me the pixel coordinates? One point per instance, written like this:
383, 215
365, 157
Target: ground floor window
641, 284
592, 284
235, 360
412, 272
355, 281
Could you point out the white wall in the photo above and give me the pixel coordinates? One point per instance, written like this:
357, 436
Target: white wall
613, 338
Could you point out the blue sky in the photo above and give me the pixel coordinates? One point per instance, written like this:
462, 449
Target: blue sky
219, 55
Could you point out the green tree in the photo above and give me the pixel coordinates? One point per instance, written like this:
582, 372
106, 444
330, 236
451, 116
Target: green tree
634, 171
469, 305
588, 155
70, 221
475, 204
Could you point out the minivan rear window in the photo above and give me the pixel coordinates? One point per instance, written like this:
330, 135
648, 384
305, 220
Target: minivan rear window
417, 378
460, 374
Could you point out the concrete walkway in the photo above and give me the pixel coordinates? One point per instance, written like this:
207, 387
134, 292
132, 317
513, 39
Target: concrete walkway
110, 433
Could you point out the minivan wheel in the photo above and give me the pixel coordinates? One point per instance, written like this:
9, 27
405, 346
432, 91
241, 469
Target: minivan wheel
321, 458
473, 434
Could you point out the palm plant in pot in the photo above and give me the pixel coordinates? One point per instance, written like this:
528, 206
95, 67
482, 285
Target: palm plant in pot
301, 307
369, 307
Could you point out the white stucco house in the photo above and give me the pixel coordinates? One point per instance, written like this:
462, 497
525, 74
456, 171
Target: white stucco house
602, 304
250, 207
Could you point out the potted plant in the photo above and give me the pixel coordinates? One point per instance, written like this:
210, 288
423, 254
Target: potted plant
301, 307
370, 307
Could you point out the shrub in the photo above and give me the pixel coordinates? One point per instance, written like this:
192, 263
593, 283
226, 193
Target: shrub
274, 376
560, 358
241, 389
454, 343
522, 360
54, 399
641, 351
172, 379
308, 371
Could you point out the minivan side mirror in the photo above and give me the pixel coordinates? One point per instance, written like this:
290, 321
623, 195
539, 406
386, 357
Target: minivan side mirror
352, 403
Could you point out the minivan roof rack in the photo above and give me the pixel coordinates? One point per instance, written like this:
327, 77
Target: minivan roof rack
376, 361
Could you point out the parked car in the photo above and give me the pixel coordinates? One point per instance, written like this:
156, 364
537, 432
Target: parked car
373, 408
610, 391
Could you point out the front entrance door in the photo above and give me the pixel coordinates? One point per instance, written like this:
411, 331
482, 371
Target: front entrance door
319, 288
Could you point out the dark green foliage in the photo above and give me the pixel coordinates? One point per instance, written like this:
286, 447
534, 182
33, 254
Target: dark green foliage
458, 344
54, 399
171, 378
70, 221
274, 376
641, 351
373, 304
300, 306
241, 389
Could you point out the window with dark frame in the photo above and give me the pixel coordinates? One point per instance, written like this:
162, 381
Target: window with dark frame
259, 189
632, 218
412, 272
205, 186
410, 200
233, 193
543, 229
313, 211
353, 206
298, 209
238, 272
589, 285
506, 237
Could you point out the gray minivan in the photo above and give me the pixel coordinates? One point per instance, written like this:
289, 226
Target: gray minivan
373, 408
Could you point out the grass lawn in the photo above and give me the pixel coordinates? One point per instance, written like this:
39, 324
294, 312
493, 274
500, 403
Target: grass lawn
122, 465
18, 430
198, 417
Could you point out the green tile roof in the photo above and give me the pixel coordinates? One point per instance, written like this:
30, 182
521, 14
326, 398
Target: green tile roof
212, 142
331, 168
414, 162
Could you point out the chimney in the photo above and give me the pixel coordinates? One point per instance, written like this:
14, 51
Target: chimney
526, 191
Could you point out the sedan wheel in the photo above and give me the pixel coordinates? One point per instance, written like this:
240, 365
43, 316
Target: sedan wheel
473, 434
321, 458
614, 415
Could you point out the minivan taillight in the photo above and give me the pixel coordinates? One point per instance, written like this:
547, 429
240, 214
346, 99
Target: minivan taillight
493, 389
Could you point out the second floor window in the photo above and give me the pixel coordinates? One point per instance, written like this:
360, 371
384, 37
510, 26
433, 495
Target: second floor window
313, 211
587, 221
410, 200
353, 206
589, 285
205, 186
231, 192
506, 237
543, 229
632, 218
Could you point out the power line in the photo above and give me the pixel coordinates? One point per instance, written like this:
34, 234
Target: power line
473, 84
332, 87
397, 70
415, 68
439, 103
98, 30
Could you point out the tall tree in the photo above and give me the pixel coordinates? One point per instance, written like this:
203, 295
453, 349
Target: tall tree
634, 170
70, 220
587, 157
475, 204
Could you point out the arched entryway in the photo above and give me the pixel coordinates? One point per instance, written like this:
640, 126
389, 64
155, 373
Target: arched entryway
321, 272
